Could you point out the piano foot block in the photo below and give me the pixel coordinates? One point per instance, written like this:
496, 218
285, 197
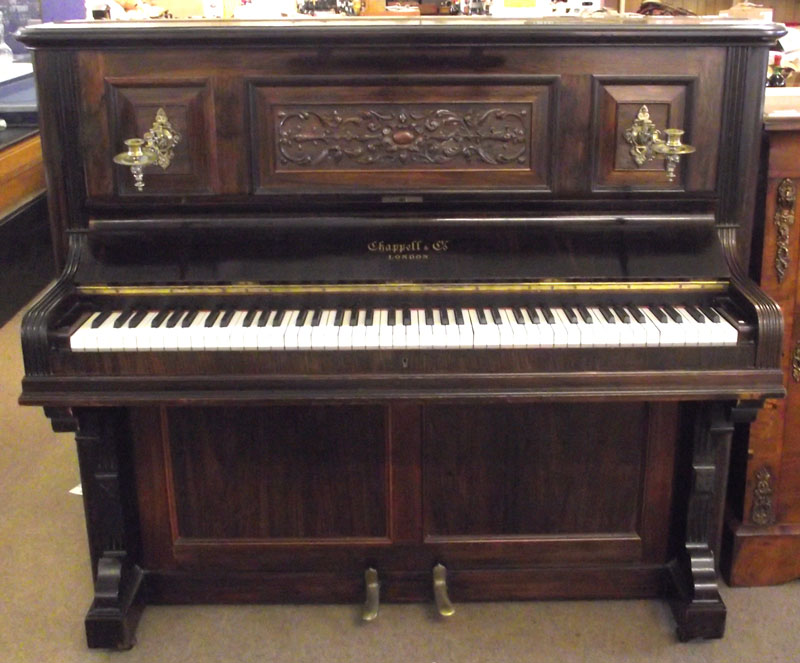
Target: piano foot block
699, 621
118, 604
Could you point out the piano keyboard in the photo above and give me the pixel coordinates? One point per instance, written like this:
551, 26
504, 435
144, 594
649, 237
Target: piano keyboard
356, 329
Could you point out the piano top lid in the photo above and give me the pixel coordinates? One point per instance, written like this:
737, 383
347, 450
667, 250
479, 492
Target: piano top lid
365, 31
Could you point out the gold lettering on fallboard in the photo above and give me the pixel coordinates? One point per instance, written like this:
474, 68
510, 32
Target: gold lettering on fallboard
413, 250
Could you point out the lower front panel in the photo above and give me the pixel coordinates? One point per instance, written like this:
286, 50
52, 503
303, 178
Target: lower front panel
294, 503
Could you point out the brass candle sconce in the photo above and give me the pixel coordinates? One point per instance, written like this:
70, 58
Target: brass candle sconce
647, 143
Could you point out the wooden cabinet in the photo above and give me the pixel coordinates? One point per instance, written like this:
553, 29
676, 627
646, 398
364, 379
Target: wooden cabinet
764, 522
264, 490
281, 474
265, 124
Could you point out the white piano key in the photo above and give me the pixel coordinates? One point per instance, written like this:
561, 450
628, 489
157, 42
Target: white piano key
451, 330
626, 332
694, 331
565, 333
466, 336
541, 333
412, 330
669, 332
607, 331
285, 336
591, 333
725, 333
425, 330
399, 330
83, 338
507, 337
439, 336
359, 333
372, 337
236, 331
195, 333
107, 339
344, 335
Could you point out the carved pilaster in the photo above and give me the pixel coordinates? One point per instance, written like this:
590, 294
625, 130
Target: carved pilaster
698, 607
112, 529
784, 220
763, 512
796, 362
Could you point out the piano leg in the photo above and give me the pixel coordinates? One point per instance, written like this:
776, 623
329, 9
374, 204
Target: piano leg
111, 523
697, 606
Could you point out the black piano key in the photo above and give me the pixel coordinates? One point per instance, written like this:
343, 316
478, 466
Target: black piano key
189, 318
693, 311
637, 314
585, 315
496, 317
517, 313
100, 319
710, 313
406, 316
672, 313
210, 320
570, 313
549, 318
443, 316
262, 317
136, 319
428, 316
277, 321
368, 318
316, 317
608, 316
175, 317
158, 320
459, 316
622, 314
353, 317
301, 318
391, 317
122, 318
249, 317
660, 315
481, 316
227, 317
338, 318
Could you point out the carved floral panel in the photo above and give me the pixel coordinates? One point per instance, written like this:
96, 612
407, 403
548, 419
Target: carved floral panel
455, 136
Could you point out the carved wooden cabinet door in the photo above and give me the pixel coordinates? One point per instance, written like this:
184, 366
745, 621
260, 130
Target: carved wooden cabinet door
533, 122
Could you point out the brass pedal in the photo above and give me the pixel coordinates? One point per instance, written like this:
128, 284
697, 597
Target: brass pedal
443, 604
371, 606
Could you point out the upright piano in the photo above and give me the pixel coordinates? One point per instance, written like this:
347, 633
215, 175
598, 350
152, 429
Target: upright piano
401, 310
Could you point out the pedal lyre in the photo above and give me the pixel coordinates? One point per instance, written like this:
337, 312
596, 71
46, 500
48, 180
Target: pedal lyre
372, 604
443, 604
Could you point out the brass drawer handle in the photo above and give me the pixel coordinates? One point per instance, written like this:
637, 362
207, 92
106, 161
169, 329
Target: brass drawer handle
647, 143
157, 146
